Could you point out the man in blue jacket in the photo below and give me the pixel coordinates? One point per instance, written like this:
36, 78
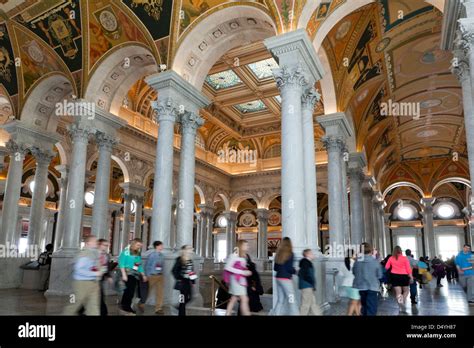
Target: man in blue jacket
466, 274
307, 284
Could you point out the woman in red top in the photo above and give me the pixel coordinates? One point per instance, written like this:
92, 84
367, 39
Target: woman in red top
400, 274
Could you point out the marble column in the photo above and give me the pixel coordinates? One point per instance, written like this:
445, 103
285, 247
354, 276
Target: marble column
175, 96
356, 175
210, 234
145, 231
36, 227
190, 122
345, 198
367, 194
117, 238
63, 170
137, 223
428, 226
105, 143
203, 212
127, 206
461, 68
337, 130
197, 243
376, 222
17, 153
299, 68
75, 191
308, 101
162, 196
383, 235
386, 219
262, 241
230, 232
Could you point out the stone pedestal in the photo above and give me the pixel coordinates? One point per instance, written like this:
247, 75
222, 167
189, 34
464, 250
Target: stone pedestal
319, 264
333, 278
11, 275
60, 281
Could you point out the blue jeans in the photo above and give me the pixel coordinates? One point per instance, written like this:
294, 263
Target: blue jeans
413, 291
286, 298
369, 301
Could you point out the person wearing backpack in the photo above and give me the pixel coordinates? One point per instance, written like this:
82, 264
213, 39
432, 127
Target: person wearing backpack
235, 274
307, 284
44, 262
183, 272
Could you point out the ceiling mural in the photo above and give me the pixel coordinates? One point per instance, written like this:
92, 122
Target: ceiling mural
59, 26
8, 76
322, 12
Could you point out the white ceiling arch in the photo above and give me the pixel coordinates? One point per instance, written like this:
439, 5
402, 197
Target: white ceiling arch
217, 34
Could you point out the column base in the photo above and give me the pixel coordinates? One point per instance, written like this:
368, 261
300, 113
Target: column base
11, 275
60, 278
333, 270
319, 264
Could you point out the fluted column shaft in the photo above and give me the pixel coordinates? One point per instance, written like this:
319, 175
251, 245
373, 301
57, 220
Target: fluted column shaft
12, 191
162, 190
262, 241
102, 186
334, 146
376, 222
308, 101
368, 217
75, 191
36, 225
190, 122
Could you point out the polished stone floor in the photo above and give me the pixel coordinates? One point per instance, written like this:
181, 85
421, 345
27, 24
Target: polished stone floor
448, 300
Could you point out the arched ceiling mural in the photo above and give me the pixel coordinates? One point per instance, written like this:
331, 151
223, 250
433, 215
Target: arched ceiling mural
384, 50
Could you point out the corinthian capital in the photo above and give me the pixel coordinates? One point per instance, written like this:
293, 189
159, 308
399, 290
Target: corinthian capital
42, 156
309, 98
106, 141
190, 121
356, 174
166, 110
13, 147
333, 143
80, 133
466, 26
291, 77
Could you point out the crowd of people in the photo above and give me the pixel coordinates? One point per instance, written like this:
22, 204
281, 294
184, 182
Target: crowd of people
364, 278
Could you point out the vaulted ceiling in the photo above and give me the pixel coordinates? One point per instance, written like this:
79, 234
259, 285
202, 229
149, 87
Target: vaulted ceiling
385, 51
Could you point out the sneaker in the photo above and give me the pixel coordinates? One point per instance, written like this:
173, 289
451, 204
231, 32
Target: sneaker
440, 285
414, 302
141, 307
160, 312
126, 313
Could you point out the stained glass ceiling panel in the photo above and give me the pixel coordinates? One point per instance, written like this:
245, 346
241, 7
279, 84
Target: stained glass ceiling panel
278, 99
223, 79
263, 69
251, 106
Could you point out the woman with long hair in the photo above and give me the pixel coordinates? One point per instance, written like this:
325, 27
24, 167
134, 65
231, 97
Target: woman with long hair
237, 273
347, 282
183, 271
400, 274
286, 301
130, 264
